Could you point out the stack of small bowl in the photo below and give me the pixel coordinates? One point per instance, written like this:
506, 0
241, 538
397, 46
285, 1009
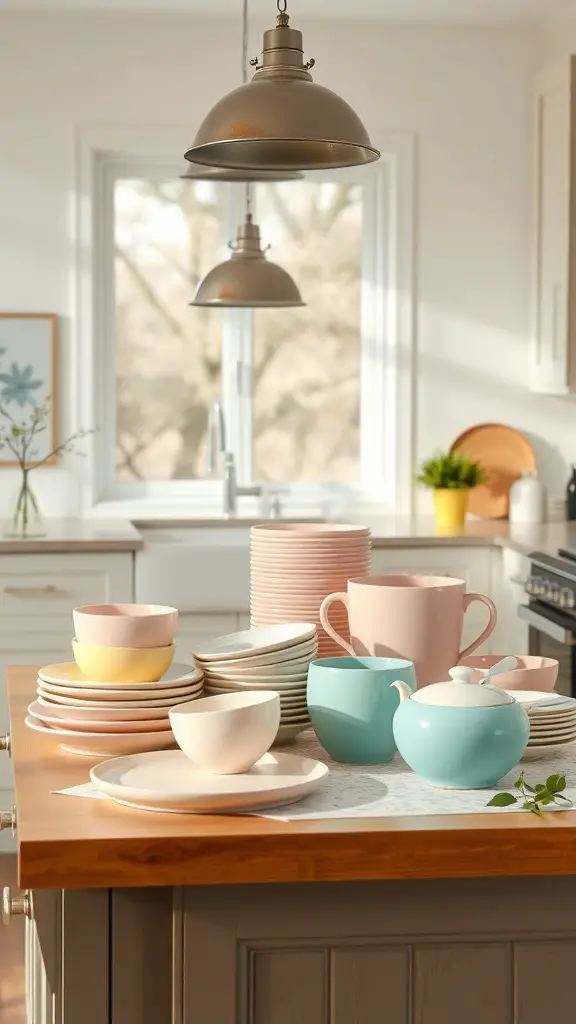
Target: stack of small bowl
294, 566
116, 697
272, 658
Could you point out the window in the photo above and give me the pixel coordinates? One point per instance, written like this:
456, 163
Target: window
312, 396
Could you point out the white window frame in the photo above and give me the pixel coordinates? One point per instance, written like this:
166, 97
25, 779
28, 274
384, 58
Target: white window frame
387, 380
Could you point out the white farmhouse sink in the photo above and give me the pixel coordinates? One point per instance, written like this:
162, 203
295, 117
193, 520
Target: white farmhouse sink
198, 569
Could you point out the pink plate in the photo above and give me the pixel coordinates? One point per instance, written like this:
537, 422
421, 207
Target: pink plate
36, 710
108, 713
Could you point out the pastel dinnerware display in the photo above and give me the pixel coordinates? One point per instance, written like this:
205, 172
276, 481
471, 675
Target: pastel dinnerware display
123, 664
418, 618
102, 718
460, 734
125, 625
532, 673
352, 701
167, 781
227, 734
552, 720
293, 566
266, 658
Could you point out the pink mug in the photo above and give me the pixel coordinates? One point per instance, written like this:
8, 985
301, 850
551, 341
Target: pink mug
418, 618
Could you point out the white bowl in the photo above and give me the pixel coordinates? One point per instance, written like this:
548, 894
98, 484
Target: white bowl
227, 734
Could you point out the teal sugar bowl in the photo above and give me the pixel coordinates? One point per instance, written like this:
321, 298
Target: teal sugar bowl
352, 701
460, 734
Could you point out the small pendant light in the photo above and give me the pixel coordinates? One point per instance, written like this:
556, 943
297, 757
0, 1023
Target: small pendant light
247, 279
199, 172
282, 120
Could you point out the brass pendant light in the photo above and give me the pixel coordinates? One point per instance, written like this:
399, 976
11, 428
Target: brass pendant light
282, 120
248, 279
199, 172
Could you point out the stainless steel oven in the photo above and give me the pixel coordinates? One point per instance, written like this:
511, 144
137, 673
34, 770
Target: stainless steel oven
551, 614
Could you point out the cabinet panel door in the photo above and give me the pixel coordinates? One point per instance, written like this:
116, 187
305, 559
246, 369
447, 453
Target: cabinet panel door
553, 226
196, 629
473, 565
38, 592
445, 952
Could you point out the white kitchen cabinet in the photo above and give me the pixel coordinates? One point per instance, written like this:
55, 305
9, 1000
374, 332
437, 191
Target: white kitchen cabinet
195, 629
553, 359
477, 566
37, 595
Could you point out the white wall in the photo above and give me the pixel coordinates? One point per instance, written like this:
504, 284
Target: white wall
464, 91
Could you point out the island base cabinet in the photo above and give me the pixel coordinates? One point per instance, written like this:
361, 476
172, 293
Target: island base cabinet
484, 951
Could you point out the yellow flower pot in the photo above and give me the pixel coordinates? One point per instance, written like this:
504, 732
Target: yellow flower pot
450, 507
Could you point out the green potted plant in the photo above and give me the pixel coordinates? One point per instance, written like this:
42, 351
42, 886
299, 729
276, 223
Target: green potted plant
450, 475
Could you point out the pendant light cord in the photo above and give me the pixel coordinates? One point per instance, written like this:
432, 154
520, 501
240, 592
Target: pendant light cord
245, 43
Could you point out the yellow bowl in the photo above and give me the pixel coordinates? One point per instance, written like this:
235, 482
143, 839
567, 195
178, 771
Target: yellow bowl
122, 664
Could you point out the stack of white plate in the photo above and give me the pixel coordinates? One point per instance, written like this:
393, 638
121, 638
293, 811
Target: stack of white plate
268, 658
552, 721
109, 719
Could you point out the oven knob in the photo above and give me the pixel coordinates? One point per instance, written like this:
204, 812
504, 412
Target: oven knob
567, 598
553, 593
535, 584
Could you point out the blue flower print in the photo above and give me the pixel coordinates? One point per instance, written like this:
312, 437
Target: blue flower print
18, 385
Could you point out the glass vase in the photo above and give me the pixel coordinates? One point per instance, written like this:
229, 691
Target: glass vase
26, 521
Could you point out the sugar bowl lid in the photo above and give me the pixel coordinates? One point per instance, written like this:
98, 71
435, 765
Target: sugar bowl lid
460, 691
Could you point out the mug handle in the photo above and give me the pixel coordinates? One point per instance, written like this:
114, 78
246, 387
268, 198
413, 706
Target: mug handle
468, 598
331, 599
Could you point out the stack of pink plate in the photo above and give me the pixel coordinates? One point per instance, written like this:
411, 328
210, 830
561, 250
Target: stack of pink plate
294, 566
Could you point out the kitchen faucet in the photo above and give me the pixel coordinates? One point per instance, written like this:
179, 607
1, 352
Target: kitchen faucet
221, 463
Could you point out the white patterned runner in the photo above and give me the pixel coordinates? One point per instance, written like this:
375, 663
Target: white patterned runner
383, 791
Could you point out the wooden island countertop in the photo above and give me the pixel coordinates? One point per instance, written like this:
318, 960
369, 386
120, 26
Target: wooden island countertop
74, 843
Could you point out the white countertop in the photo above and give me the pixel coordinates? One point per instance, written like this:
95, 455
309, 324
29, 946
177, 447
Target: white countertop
399, 531
70, 535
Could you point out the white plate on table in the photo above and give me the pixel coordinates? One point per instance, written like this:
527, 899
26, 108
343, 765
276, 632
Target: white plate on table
553, 730
262, 640
288, 733
104, 744
258, 682
285, 656
538, 700
533, 753
557, 721
168, 781
68, 674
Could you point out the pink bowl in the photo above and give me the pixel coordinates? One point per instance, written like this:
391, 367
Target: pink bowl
533, 673
125, 625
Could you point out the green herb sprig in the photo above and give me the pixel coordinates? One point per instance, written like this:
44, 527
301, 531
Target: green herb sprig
534, 797
450, 471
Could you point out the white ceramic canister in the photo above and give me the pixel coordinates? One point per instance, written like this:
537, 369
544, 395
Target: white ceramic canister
527, 499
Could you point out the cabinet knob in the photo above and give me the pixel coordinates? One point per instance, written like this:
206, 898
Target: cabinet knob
13, 905
5, 742
8, 820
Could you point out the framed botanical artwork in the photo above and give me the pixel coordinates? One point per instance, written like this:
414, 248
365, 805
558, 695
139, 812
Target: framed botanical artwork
28, 377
